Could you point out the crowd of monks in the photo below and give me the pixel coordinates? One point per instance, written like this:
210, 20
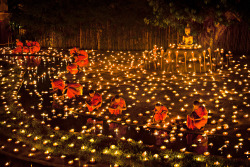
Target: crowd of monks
196, 120
30, 47
94, 99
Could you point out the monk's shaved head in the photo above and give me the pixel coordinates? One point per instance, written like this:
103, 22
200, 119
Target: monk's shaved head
196, 103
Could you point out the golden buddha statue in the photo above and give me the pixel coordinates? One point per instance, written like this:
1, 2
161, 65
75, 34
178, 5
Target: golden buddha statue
188, 39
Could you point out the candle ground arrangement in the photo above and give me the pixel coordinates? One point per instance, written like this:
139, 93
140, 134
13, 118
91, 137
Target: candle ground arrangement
35, 121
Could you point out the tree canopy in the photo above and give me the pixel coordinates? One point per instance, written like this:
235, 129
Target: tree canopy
198, 13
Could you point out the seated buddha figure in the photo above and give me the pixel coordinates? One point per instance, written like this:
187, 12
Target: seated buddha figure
187, 39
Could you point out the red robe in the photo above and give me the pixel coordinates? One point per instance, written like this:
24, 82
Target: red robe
29, 44
94, 101
82, 59
161, 114
201, 112
19, 47
35, 47
113, 106
26, 49
73, 51
58, 84
72, 68
74, 89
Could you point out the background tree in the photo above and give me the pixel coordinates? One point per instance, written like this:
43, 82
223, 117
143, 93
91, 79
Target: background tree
209, 18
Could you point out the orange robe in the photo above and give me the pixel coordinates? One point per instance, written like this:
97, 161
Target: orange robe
160, 115
26, 49
74, 89
28, 44
113, 106
35, 47
201, 112
72, 68
19, 47
58, 84
73, 51
82, 59
94, 101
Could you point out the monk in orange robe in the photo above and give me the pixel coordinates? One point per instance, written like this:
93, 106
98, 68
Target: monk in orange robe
82, 59
94, 101
35, 47
57, 84
161, 113
26, 49
73, 89
117, 105
74, 51
72, 68
19, 47
198, 118
28, 43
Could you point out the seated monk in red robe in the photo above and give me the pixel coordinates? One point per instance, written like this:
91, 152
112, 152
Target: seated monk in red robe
26, 49
117, 105
35, 47
82, 59
94, 101
74, 51
57, 84
73, 89
72, 68
28, 43
161, 113
198, 118
19, 47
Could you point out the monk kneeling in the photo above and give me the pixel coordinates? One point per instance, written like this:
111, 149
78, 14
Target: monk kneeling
72, 68
94, 101
73, 89
58, 85
198, 118
117, 105
161, 113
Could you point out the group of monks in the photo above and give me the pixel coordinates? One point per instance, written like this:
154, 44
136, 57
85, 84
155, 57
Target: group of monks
70, 89
196, 120
81, 60
94, 100
31, 47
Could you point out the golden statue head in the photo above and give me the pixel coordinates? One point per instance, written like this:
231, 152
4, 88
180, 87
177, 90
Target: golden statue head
187, 30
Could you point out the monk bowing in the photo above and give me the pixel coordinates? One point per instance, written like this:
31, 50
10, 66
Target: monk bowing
198, 118
73, 89
82, 59
117, 105
72, 68
160, 113
57, 85
35, 47
19, 47
94, 100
